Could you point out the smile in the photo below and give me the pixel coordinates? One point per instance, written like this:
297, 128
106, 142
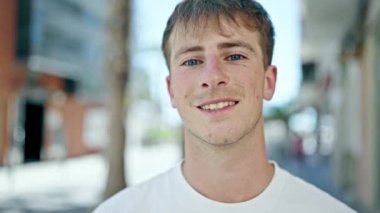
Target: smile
218, 106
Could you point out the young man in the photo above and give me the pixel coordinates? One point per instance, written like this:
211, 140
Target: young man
219, 55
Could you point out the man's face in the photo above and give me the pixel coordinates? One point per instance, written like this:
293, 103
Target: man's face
218, 81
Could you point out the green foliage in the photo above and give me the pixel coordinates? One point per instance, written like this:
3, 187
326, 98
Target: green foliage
159, 135
282, 113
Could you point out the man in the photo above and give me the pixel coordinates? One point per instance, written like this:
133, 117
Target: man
219, 55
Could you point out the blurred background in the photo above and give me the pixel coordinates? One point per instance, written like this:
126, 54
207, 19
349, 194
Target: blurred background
84, 110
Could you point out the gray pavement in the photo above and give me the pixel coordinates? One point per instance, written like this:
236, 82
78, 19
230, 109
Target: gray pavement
71, 185
76, 184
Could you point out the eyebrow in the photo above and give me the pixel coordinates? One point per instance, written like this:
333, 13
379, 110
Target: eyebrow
187, 50
227, 45
224, 45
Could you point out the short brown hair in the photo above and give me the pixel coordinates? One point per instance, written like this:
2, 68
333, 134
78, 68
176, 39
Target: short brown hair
255, 17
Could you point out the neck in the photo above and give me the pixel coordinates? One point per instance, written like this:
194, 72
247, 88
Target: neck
232, 173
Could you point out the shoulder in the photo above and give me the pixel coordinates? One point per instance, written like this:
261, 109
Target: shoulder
132, 198
299, 195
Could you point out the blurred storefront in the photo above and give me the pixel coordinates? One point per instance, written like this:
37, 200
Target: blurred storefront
357, 156
50, 79
346, 89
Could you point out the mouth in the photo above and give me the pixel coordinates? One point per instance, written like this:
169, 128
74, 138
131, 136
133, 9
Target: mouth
218, 105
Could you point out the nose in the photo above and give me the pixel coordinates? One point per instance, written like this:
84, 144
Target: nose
214, 75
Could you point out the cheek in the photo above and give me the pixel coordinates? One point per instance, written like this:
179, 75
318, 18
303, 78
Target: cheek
257, 84
255, 89
181, 89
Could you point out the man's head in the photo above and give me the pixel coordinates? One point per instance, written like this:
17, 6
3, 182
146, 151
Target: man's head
194, 14
220, 68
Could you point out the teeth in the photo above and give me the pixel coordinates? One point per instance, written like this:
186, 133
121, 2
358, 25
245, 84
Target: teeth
219, 105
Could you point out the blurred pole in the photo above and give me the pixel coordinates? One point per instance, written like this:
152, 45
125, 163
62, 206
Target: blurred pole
117, 79
3, 135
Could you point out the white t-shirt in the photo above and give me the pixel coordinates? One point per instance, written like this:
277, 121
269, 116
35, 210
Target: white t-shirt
170, 193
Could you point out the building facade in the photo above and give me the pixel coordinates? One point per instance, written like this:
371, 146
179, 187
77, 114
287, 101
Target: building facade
51, 77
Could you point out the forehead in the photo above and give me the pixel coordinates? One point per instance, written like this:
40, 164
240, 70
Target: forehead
193, 32
223, 25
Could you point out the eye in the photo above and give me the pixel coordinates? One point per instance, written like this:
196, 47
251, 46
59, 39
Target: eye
235, 57
192, 62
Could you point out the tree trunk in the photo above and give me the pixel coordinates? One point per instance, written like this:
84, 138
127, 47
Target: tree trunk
117, 79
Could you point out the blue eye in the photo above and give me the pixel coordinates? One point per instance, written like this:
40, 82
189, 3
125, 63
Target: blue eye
192, 62
235, 57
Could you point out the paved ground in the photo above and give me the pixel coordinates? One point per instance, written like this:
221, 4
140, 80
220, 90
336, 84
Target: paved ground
75, 185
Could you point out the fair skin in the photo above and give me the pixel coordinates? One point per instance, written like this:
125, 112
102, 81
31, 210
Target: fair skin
218, 83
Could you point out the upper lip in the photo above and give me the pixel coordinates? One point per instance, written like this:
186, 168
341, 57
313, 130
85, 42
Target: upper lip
214, 101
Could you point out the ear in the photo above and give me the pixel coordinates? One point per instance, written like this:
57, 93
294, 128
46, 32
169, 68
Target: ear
169, 88
270, 79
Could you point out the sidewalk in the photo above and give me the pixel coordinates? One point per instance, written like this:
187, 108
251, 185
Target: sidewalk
75, 184
67, 186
